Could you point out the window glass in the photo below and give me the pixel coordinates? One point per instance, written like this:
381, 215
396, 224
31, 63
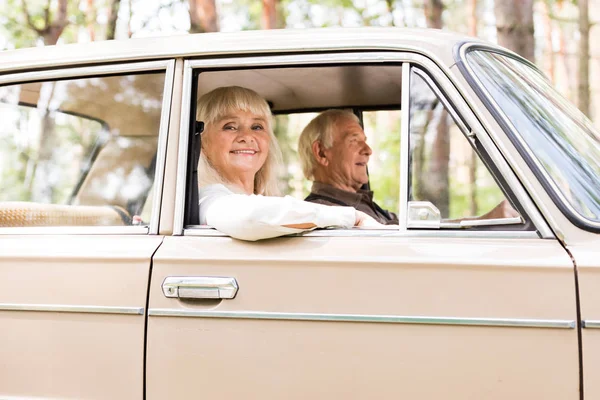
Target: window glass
562, 140
444, 168
78, 152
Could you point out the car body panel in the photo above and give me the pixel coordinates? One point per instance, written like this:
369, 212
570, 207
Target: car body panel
588, 271
333, 314
75, 307
325, 277
435, 42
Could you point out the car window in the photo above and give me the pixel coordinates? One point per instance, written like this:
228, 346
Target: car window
445, 171
78, 152
561, 142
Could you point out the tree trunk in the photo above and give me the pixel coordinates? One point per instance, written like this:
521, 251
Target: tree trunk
550, 65
473, 206
51, 30
583, 89
514, 26
203, 16
91, 19
473, 17
390, 8
433, 13
439, 181
269, 14
113, 15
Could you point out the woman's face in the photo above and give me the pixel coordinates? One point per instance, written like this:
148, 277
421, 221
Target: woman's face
237, 144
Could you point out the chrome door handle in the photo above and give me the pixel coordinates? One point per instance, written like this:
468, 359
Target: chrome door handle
200, 287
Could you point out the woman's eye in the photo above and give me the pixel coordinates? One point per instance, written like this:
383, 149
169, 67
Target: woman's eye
257, 127
229, 127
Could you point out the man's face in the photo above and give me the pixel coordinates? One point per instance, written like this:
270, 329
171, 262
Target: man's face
348, 156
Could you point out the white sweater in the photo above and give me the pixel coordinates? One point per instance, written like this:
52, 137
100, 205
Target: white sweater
255, 217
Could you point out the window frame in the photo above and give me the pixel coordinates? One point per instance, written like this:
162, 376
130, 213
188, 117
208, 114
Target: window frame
406, 59
522, 147
161, 66
480, 152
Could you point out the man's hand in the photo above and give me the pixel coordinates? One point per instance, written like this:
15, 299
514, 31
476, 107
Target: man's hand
365, 221
502, 210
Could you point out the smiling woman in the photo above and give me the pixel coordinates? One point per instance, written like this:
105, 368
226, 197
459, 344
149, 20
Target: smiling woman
237, 178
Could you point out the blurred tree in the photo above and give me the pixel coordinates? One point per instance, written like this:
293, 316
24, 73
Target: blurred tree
433, 13
473, 207
436, 187
514, 26
91, 14
51, 26
269, 14
203, 16
583, 92
113, 14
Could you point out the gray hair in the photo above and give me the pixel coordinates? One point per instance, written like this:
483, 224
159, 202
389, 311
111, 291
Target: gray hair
223, 101
321, 129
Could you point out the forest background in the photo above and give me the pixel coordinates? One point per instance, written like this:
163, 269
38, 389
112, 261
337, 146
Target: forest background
557, 35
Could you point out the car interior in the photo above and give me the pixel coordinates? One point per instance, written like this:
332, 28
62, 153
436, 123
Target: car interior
373, 93
106, 128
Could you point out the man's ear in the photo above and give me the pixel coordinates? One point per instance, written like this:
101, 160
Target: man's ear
319, 153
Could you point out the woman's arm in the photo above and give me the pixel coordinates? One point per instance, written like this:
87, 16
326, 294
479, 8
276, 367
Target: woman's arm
254, 217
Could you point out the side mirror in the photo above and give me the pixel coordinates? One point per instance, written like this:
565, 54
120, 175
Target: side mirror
424, 215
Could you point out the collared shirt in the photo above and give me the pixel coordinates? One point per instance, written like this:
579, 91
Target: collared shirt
362, 200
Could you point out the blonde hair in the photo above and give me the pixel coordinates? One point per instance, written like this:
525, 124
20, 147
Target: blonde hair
223, 101
321, 129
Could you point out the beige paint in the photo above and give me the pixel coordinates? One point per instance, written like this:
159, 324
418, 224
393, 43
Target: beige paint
432, 41
436, 277
73, 355
170, 180
588, 269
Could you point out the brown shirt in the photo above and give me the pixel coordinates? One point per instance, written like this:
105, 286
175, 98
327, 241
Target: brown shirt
362, 200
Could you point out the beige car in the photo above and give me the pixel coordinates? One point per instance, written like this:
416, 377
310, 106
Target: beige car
110, 288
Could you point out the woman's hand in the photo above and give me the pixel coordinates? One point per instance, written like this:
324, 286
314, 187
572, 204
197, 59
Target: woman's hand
365, 221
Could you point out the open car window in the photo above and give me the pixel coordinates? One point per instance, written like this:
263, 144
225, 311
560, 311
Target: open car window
450, 185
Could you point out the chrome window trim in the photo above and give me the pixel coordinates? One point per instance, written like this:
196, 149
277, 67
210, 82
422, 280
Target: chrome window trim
74, 230
591, 324
357, 232
72, 308
555, 191
161, 147
82, 72
404, 147
182, 154
441, 76
390, 319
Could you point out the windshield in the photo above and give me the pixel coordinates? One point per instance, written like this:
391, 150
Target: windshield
562, 141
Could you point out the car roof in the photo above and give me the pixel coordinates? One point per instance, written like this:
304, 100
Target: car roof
437, 44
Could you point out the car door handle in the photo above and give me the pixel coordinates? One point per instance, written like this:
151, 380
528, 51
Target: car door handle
200, 287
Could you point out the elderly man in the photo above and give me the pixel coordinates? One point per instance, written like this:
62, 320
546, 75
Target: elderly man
334, 155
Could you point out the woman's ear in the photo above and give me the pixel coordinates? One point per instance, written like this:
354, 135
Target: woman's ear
319, 153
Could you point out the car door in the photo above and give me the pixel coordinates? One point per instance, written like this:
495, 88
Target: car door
411, 313
74, 263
